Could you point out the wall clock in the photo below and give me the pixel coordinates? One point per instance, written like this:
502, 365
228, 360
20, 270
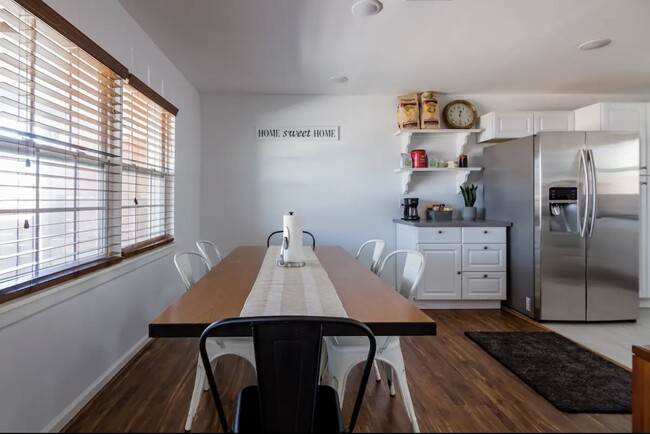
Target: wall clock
460, 114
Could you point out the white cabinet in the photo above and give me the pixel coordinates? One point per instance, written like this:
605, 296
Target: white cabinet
442, 272
500, 126
484, 257
617, 116
484, 286
635, 117
554, 120
462, 264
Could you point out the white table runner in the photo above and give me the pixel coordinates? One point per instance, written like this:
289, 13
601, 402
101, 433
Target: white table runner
304, 290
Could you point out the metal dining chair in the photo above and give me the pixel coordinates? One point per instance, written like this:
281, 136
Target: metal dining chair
313, 240
210, 252
376, 253
343, 353
192, 266
287, 397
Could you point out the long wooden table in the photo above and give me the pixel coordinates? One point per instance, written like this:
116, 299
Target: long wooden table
221, 294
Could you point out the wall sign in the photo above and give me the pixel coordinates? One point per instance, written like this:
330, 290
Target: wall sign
297, 133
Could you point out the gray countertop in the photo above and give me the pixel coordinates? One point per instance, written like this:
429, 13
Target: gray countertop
453, 223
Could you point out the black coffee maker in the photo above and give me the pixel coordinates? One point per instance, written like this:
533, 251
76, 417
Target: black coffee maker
411, 208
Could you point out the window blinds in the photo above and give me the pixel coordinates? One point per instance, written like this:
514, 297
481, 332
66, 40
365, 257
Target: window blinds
147, 171
60, 114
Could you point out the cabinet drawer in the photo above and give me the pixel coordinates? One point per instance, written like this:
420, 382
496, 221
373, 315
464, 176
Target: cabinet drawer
439, 235
484, 286
484, 257
484, 235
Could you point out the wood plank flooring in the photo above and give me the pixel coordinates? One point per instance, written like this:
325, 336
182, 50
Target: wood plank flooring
456, 387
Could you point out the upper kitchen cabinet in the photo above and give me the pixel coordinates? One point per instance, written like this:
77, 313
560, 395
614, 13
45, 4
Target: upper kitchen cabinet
617, 116
501, 126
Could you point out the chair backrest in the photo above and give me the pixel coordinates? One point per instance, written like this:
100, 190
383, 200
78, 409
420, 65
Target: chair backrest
411, 273
313, 240
287, 356
376, 253
209, 251
191, 266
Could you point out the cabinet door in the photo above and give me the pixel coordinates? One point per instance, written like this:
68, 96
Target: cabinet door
484, 286
631, 116
484, 257
554, 120
442, 272
511, 125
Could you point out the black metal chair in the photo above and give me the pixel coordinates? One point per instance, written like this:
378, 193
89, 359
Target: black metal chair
313, 240
288, 397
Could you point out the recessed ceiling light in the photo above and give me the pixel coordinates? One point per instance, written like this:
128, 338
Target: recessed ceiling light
596, 43
339, 79
367, 8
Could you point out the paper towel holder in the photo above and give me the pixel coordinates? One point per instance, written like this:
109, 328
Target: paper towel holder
286, 242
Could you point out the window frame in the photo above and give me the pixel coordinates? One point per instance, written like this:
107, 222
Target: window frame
48, 16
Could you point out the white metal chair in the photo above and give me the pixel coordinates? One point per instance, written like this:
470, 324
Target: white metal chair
374, 267
343, 353
186, 264
376, 253
210, 252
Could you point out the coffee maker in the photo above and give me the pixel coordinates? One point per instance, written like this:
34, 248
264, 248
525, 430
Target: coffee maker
411, 208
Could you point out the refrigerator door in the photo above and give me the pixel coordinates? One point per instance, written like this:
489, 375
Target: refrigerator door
561, 265
613, 233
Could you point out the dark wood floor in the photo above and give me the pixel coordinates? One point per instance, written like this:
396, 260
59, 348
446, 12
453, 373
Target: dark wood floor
456, 387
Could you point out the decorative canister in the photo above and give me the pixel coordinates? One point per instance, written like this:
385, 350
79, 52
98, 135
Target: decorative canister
419, 158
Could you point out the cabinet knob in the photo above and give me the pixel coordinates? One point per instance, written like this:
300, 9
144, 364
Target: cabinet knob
484, 247
439, 231
485, 232
485, 276
644, 183
457, 272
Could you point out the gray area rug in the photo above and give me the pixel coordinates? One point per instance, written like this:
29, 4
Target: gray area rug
572, 378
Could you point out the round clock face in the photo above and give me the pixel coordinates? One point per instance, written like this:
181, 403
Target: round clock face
460, 114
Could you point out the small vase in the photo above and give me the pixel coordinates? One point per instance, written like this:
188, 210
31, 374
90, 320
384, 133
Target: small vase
469, 213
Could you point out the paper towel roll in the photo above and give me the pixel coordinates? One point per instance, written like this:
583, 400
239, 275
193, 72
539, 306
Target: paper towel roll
292, 225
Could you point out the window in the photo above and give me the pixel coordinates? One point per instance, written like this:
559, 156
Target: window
86, 160
147, 172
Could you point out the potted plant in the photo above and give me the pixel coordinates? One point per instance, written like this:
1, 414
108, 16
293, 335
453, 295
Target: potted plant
469, 195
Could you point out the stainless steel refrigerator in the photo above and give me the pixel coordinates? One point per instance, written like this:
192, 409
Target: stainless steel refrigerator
573, 198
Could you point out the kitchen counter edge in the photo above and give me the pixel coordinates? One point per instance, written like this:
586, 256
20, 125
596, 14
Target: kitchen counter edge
453, 223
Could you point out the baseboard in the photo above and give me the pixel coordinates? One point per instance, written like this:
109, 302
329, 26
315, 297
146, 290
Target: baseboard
61, 420
458, 304
644, 302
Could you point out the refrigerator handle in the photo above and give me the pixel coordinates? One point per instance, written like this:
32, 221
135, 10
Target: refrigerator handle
582, 221
594, 193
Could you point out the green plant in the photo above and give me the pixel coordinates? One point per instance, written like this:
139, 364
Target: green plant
469, 194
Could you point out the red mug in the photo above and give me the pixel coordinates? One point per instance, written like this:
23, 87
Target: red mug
419, 158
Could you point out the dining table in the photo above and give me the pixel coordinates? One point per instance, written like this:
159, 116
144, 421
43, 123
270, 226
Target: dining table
224, 292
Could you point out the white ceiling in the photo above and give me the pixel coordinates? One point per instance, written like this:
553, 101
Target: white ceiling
458, 46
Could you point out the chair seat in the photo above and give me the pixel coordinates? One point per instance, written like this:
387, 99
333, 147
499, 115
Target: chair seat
328, 414
353, 343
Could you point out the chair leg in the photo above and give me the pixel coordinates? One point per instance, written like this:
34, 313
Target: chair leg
408, 401
323, 363
206, 384
196, 395
391, 380
377, 373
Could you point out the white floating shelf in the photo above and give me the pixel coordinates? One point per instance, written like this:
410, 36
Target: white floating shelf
462, 173
438, 131
458, 136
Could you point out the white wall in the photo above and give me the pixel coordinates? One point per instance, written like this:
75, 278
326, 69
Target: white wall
346, 190
52, 357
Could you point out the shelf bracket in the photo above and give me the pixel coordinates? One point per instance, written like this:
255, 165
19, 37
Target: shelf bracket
406, 181
462, 138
